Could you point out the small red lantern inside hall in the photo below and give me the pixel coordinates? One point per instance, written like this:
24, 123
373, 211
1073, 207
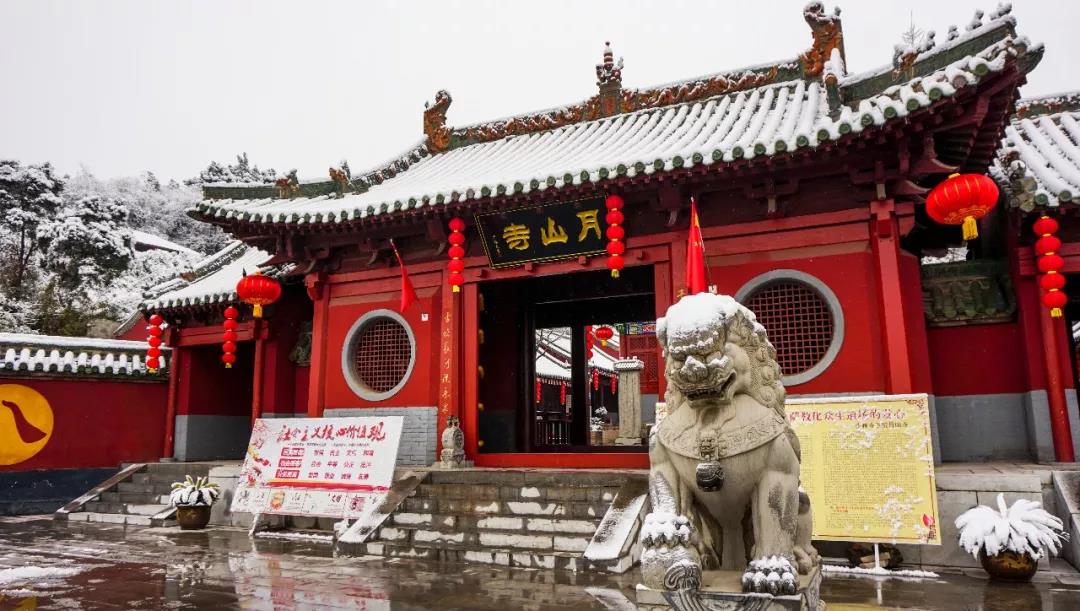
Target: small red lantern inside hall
604, 334
258, 290
962, 199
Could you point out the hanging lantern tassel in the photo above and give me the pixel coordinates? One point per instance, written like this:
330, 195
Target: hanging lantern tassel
962, 199
258, 290
1050, 264
228, 345
616, 235
457, 254
153, 353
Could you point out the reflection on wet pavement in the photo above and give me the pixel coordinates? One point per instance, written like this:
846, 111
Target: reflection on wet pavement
80, 565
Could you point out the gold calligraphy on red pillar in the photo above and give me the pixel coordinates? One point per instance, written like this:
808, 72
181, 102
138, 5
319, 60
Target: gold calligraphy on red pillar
446, 365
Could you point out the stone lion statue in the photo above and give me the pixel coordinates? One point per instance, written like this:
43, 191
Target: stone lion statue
724, 475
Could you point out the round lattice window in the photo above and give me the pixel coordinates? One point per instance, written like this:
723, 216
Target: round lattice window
378, 355
802, 318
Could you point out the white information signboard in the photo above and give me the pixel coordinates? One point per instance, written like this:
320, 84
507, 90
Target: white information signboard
323, 467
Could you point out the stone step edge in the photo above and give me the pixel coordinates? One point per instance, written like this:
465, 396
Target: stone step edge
449, 530
574, 561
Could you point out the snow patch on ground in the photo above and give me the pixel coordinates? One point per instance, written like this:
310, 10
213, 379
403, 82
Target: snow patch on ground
25, 574
876, 572
295, 536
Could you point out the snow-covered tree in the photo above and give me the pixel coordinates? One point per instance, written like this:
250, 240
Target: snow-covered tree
242, 171
29, 196
86, 247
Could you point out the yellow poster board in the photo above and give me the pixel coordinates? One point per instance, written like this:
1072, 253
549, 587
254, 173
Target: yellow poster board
868, 467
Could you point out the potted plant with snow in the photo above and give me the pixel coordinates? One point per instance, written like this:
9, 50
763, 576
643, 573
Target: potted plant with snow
192, 499
1009, 541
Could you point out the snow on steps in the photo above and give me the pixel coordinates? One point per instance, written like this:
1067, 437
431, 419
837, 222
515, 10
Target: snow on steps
138, 495
529, 518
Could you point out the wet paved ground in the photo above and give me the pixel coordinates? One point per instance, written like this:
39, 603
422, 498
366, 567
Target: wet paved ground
47, 565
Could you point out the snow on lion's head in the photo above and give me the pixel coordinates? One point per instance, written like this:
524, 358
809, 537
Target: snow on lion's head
714, 349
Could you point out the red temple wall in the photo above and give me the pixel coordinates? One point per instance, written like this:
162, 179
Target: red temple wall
97, 422
848, 270
977, 359
351, 300
208, 388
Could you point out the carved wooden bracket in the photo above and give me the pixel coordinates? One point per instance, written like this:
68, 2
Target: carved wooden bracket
314, 283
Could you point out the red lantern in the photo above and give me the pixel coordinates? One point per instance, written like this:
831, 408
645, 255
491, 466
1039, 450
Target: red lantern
539, 392
153, 339
228, 346
457, 253
615, 234
562, 393
258, 290
962, 199
596, 379
588, 342
604, 334
1050, 264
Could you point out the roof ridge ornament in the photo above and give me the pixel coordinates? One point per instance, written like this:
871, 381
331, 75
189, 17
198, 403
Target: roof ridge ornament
609, 80
438, 134
828, 33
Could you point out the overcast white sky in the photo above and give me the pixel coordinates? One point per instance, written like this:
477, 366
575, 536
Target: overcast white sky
126, 86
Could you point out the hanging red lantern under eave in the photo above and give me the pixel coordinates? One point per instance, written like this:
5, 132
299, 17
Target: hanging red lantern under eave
604, 334
258, 290
153, 353
615, 234
457, 254
1050, 264
962, 199
228, 344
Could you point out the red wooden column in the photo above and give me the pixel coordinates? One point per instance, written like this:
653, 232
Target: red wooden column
319, 293
885, 241
257, 378
470, 316
1055, 387
449, 360
175, 361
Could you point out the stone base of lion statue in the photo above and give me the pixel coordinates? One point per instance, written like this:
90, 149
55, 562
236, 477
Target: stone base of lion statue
721, 590
724, 462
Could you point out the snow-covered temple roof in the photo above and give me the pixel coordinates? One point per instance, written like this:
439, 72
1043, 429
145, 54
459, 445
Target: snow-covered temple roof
142, 240
52, 354
212, 280
792, 107
1039, 160
553, 354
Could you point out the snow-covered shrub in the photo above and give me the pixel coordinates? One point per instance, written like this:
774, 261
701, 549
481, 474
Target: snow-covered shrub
193, 492
599, 419
1024, 528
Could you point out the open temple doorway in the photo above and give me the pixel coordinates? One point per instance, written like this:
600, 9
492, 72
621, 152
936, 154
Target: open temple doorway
554, 353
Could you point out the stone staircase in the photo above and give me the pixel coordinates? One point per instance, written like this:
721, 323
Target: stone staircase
137, 495
526, 518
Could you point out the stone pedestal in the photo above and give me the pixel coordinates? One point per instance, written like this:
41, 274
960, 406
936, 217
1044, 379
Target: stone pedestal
629, 371
720, 590
453, 452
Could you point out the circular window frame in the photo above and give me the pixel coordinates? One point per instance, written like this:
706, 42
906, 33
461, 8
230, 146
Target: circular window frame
823, 291
348, 367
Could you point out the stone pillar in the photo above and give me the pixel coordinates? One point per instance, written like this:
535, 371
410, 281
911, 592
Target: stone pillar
629, 371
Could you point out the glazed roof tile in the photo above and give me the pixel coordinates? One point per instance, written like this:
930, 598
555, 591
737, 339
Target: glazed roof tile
75, 355
1039, 160
213, 279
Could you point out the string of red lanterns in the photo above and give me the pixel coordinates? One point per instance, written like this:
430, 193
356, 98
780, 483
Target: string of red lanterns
962, 199
562, 393
615, 234
595, 379
1050, 264
539, 392
588, 343
228, 345
153, 353
457, 254
615, 383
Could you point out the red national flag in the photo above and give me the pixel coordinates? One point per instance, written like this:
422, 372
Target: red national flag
695, 256
408, 293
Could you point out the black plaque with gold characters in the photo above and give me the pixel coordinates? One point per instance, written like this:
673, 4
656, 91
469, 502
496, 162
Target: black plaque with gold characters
543, 233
